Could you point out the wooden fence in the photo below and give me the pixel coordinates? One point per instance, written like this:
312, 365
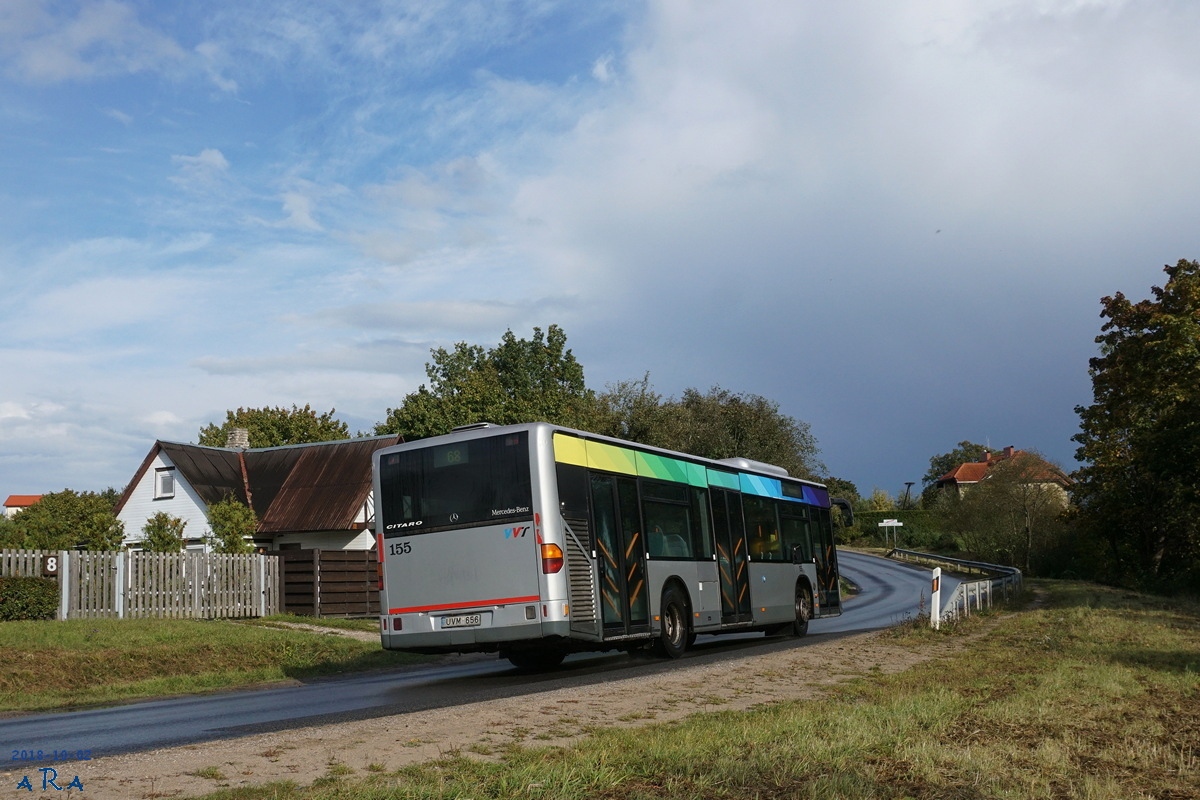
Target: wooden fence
22, 563
329, 583
129, 584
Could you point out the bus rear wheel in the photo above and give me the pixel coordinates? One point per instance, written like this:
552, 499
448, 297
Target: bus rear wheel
534, 660
674, 636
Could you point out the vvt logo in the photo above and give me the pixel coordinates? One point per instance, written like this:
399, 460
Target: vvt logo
516, 533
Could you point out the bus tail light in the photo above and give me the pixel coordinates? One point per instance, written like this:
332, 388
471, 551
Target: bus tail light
552, 559
379, 575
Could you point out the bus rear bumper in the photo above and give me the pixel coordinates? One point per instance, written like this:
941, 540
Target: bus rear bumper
473, 640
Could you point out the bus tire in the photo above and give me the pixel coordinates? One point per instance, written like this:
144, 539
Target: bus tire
534, 660
674, 633
803, 610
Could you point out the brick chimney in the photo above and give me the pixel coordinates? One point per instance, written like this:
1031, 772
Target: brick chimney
238, 438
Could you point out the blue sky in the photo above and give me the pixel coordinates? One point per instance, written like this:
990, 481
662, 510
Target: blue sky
894, 219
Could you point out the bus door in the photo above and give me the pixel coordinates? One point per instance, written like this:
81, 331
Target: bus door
733, 559
621, 556
827, 568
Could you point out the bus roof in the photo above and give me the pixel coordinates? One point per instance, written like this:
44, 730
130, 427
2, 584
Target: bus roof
738, 464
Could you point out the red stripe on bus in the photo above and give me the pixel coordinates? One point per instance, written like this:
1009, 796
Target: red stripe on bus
500, 601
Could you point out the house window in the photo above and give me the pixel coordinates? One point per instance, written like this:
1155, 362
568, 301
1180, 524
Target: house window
164, 483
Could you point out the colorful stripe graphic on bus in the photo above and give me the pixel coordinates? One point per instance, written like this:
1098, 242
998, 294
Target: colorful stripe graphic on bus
611, 458
517, 532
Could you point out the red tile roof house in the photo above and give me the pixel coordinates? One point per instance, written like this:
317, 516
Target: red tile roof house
305, 496
1039, 472
19, 502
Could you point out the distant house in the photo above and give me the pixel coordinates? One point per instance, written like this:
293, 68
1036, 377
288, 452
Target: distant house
305, 496
1035, 470
19, 502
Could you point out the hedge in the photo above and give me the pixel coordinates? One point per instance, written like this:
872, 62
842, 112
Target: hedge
28, 598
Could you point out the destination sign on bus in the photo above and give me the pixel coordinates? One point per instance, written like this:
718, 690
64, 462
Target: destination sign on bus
451, 455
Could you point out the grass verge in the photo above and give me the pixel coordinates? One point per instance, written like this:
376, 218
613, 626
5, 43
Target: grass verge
1093, 694
53, 665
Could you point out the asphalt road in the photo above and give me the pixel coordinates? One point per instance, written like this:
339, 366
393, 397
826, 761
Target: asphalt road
889, 593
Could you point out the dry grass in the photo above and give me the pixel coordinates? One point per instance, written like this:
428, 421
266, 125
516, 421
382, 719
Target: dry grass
1093, 694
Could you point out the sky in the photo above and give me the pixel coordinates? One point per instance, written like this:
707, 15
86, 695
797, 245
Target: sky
895, 220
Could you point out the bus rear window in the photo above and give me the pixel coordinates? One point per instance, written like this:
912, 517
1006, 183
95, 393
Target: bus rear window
462, 484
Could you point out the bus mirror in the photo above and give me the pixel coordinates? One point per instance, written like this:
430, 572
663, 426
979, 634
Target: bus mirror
847, 510
798, 555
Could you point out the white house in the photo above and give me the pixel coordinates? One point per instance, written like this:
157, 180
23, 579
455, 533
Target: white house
19, 502
305, 496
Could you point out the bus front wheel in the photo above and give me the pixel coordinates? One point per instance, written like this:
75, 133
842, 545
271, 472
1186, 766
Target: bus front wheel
674, 635
803, 610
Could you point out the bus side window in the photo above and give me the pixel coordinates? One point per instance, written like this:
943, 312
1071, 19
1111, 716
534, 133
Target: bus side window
763, 529
573, 497
796, 533
667, 529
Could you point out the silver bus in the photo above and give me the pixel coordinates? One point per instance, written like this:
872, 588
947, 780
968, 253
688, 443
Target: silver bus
536, 540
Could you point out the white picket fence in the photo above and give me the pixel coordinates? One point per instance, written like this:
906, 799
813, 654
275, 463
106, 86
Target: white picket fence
132, 584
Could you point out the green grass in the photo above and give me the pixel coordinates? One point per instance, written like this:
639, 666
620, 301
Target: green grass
49, 664
1093, 694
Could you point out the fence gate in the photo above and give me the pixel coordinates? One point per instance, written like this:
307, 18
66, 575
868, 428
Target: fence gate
329, 583
90, 584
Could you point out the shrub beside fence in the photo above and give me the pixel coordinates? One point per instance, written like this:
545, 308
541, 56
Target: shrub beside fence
129, 584
24, 597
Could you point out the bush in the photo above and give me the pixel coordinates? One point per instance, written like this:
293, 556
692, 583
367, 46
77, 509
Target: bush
28, 598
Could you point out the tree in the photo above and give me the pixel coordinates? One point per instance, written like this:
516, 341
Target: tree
163, 533
939, 465
66, 520
879, 500
233, 525
632, 410
1139, 439
844, 489
718, 424
273, 427
519, 380
721, 424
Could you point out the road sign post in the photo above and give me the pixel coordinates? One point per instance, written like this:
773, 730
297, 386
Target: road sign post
891, 524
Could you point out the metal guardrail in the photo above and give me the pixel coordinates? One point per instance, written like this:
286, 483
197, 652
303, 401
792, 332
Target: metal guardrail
977, 593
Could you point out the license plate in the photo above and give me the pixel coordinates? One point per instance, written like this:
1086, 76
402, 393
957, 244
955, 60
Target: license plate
462, 621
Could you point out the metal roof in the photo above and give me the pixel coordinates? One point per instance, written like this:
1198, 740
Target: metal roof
297, 488
322, 488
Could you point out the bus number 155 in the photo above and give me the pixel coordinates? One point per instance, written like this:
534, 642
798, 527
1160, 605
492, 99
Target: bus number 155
400, 549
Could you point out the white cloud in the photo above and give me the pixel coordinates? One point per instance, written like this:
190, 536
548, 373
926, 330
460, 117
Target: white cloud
602, 69
9, 410
119, 116
162, 419
202, 171
103, 38
299, 212
215, 61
